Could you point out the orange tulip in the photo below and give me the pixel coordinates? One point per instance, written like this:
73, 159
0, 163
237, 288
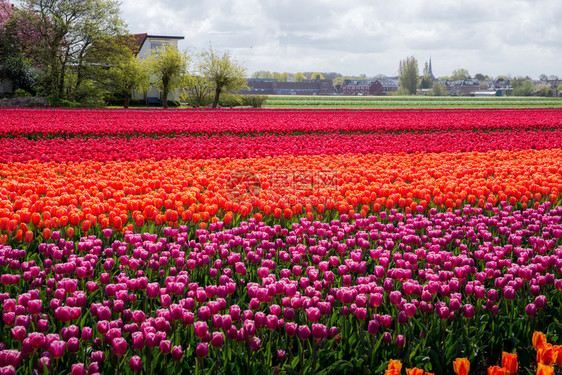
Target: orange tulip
547, 355
509, 361
539, 340
543, 369
392, 372
558, 350
414, 371
394, 364
461, 366
496, 370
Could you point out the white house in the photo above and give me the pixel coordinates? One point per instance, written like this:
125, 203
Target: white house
146, 43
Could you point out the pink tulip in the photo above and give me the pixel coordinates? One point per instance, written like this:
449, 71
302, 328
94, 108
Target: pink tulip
202, 350
177, 353
57, 349
119, 346
135, 363
165, 346
217, 339
303, 332
255, 344
78, 369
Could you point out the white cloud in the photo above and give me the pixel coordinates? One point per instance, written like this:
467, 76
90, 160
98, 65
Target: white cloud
365, 36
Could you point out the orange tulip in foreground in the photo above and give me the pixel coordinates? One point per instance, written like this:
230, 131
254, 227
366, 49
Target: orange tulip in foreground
461, 366
539, 340
544, 369
496, 370
547, 355
558, 350
394, 364
414, 371
509, 362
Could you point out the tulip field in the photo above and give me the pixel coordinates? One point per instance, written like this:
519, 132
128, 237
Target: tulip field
281, 241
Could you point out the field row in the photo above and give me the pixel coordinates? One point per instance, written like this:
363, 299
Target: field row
79, 149
410, 102
64, 123
121, 193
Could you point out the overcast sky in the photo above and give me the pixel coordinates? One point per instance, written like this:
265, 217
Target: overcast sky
494, 37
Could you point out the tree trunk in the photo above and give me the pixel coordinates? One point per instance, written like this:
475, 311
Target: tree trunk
126, 104
217, 95
165, 95
164, 99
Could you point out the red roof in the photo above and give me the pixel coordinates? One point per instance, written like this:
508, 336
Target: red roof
139, 41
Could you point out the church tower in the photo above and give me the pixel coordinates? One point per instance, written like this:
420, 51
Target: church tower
431, 71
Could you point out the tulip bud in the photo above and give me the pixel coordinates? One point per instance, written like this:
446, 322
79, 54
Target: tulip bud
135, 364
202, 350
255, 344
177, 353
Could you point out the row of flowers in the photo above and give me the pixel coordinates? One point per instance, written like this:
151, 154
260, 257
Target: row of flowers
36, 196
60, 123
79, 149
373, 288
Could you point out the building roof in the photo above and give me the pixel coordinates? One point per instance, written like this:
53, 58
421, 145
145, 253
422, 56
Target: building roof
369, 82
141, 38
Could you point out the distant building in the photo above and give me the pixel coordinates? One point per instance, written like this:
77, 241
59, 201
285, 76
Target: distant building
146, 44
500, 83
266, 86
462, 87
368, 87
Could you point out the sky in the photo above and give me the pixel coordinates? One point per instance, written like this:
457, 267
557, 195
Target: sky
352, 37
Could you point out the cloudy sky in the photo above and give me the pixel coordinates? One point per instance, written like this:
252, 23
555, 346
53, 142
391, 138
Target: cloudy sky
494, 37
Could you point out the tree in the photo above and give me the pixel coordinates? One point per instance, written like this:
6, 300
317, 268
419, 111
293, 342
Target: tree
460, 74
168, 67
543, 77
299, 77
198, 92
316, 76
426, 81
223, 71
129, 74
438, 90
60, 35
543, 89
480, 77
408, 74
522, 86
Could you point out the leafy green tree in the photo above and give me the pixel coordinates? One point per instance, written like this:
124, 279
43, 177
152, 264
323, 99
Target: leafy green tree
198, 91
223, 71
426, 81
438, 90
129, 74
168, 68
408, 74
460, 74
299, 77
316, 75
481, 77
543, 89
522, 86
59, 35
558, 90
